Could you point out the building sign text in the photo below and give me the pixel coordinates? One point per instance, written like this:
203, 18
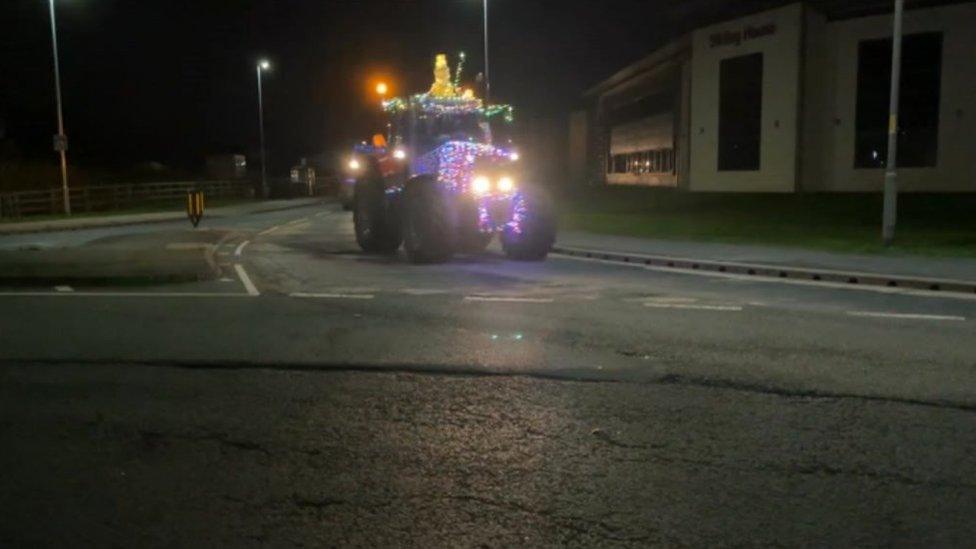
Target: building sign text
737, 37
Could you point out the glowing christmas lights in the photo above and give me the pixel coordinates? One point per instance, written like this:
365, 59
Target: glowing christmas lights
446, 97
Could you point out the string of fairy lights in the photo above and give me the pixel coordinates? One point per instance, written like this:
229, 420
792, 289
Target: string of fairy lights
451, 102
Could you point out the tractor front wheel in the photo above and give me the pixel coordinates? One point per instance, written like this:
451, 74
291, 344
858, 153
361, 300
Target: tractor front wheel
532, 231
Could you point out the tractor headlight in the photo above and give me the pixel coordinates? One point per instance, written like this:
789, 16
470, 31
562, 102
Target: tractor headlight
400, 154
481, 185
506, 184
354, 165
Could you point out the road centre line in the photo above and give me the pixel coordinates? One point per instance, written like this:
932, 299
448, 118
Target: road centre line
269, 231
690, 307
905, 316
252, 290
503, 299
240, 248
304, 295
63, 289
792, 281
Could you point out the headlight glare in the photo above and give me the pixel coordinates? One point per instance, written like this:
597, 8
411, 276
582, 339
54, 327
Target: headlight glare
481, 185
506, 184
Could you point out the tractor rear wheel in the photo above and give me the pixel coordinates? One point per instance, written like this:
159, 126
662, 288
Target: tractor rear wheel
429, 221
377, 230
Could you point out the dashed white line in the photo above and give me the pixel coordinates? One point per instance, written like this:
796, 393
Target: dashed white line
504, 299
422, 291
304, 295
689, 307
252, 290
121, 294
240, 248
63, 289
905, 316
670, 300
269, 231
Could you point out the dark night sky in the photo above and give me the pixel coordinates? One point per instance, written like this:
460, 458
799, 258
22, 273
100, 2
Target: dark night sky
173, 80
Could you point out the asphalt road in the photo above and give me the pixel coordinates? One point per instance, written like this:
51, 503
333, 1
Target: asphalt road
309, 394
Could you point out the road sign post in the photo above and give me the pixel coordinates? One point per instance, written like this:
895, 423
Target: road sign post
194, 206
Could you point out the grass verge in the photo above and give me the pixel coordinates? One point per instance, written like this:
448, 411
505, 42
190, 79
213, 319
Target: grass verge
936, 225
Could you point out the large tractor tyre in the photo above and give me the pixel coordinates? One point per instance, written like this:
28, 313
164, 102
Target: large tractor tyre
377, 229
532, 232
474, 242
429, 221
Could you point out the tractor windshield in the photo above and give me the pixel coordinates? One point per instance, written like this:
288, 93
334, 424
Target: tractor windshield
433, 130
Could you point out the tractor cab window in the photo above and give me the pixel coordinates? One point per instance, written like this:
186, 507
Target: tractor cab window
433, 130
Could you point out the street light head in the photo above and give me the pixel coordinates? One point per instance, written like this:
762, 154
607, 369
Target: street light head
382, 88
264, 64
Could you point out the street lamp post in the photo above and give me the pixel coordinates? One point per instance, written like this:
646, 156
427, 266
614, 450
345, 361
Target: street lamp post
60, 140
262, 65
487, 75
890, 213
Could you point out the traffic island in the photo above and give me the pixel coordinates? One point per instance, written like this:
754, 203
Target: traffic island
136, 260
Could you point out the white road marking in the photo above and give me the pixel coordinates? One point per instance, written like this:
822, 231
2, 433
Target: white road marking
121, 294
269, 231
252, 290
503, 299
422, 291
226, 279
905, 316
792, 281
689, 307
332, 296
189, 246
63, 289
240, 248
669, 299
299, 220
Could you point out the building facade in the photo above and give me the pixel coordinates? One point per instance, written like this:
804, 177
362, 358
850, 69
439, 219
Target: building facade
788, 100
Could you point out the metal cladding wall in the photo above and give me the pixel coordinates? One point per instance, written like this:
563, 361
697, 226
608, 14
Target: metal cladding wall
809, 94
776, 35
831, 76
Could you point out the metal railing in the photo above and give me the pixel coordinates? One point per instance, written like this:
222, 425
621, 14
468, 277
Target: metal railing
116, 197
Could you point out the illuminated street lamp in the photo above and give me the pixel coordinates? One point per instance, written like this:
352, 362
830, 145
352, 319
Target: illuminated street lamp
487, 76
263, 65
60, 140
382, 89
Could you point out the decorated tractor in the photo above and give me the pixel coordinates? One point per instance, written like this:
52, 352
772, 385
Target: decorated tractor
446, 180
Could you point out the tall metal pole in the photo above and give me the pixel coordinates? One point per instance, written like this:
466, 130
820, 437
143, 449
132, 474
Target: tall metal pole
61, 142
890, 214
487, 74
264, 160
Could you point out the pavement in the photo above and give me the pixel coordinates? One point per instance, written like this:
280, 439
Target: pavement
309, 394
119, 220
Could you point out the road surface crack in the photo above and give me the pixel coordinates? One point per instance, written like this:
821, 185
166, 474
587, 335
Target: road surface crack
579, 525
318, 503
152, 439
